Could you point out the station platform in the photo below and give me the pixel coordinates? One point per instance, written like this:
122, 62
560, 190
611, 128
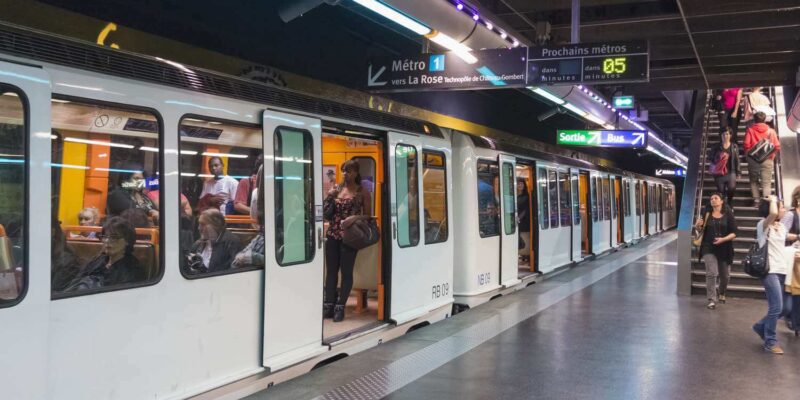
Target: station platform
609, 328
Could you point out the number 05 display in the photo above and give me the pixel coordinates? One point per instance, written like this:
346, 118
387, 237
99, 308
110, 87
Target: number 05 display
616, 65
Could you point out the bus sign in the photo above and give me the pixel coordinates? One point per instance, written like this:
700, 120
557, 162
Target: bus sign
602, 138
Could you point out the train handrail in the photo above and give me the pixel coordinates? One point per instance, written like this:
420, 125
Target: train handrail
777, 164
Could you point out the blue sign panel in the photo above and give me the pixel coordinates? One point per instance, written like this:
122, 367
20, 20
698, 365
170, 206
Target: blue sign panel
602, 138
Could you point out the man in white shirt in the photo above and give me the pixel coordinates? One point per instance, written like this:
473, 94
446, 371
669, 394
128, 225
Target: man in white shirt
218, 190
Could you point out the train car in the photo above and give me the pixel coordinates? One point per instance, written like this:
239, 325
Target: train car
183, 212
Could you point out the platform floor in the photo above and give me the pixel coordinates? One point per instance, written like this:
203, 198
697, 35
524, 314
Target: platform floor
612, 328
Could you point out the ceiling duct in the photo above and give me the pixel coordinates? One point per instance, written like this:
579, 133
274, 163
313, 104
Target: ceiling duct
288, 10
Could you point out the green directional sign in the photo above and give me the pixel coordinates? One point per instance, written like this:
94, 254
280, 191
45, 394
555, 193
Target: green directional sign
623, 102
602, 138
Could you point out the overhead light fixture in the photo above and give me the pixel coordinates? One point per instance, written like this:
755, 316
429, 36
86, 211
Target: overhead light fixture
210, 154
516, 43
458, 48
476, 17
98, 143
489, 26
574, 109
595, 119
396, 16
148, 148
503, 35
547, 95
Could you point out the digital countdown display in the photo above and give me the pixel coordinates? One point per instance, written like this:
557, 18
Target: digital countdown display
596, 63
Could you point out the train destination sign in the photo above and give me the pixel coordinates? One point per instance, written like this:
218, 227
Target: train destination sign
512, 68
602, 138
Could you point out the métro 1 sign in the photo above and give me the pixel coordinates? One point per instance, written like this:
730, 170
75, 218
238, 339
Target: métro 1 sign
607, 138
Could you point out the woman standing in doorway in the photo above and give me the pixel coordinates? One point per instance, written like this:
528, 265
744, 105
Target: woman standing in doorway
719, 229
349, 200
524, 221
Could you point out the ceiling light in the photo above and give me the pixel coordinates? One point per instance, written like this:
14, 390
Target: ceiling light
503, 35
476, 17
489, 26
459, 49
209, 154
396, 16
574, 109
547, 95
516, 43
459, 6
98, 143
150, 149
595, 119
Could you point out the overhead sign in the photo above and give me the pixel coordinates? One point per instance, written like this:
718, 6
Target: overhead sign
604, 138
638, 115
495, 68
518, 67
622, 102
671, 172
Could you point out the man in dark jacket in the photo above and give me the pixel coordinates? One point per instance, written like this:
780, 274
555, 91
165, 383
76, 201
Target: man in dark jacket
760, 173
216, 248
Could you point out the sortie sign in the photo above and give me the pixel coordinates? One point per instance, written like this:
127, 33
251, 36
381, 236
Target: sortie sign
513, 68
602, 138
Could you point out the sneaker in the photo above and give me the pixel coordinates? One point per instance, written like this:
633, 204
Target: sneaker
722, 298
759, 332
774, 349
711, 305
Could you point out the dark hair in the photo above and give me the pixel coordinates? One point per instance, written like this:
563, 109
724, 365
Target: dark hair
759, 117
796, 197
210, 159
725, 129
763, 208
136, 217
260, 196
215, 218
524, 184
121, 227
353, 166
259, 162
128, 169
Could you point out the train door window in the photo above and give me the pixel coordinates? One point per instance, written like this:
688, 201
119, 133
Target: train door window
606, 199
541, 179
434, 189
637, 196
552, 189
593, 195
576, 201
613, 199
106, 214
600, 200
509, 200
488, 198
366, 168
405, 157
13, 187
564, 195
219, 161
294, 196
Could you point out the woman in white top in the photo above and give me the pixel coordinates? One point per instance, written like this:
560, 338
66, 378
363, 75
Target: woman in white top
756, 101
772, 232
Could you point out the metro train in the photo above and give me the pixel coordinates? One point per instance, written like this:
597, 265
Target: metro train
78, 122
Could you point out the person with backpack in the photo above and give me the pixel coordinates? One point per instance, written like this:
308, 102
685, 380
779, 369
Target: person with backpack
760, 168
718, 227
771, 232
757, 102
724, 166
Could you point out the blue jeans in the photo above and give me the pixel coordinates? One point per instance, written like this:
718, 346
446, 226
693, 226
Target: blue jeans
776, 301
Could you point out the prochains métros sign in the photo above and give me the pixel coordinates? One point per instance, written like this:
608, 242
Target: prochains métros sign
607, 138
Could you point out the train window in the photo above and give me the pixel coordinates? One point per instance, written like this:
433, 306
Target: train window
606, 199
541, 179
106, 206
509, 200
220, 210
366, 168
613, 190
576, 201
13, 187
601, 210
405, 159
638, 198
552, 189
434, 189
564, 194
294, 196
488, 199
593, 195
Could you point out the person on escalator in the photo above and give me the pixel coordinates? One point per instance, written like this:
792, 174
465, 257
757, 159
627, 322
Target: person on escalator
731, 115
725, 166
760, 173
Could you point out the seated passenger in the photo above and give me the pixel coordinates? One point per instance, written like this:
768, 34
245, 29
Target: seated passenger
116, 264
87, 217
64, 266
253, 254
218, 190
244, 192
216, 248
130, 194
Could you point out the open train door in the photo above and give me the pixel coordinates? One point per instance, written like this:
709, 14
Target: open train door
509, 238
293, 239
24, 270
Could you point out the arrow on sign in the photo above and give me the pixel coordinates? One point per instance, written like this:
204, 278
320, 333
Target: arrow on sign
372, 80
594, 137
639, 138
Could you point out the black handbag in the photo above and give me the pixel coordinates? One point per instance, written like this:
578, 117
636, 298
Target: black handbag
762, 150
756, 262
360, 233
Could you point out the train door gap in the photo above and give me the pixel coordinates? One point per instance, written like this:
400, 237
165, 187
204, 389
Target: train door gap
524, 175
586, 226
618, 206
365, 303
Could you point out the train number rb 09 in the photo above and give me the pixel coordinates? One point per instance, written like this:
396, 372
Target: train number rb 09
440, 290
484, 278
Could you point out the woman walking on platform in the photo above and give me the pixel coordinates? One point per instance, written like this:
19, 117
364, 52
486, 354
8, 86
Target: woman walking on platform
771, 232
719, 229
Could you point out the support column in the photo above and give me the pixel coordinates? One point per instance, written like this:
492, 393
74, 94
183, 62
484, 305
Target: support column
689, 197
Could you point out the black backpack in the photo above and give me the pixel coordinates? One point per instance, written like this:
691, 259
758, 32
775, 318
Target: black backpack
756, 263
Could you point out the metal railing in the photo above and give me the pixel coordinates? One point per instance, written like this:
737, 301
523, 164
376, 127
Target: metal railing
703, 156
778, 178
